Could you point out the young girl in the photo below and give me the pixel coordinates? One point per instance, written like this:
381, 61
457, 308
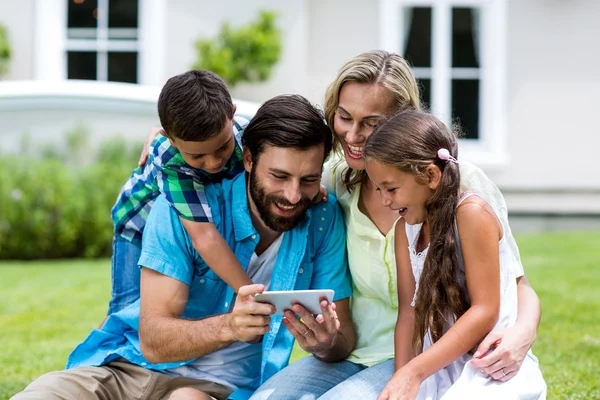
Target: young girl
455, 278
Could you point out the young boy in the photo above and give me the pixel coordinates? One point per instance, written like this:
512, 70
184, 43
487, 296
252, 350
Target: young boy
200, 144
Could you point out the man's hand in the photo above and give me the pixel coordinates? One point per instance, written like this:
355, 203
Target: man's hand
249, 320
501, 353
316, 335
146, 150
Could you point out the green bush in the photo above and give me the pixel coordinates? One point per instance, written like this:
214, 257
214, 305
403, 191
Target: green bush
5, 52
245, 54
58, 206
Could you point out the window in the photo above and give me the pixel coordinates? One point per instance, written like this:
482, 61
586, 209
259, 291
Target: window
456, 49
102, 40
123, 40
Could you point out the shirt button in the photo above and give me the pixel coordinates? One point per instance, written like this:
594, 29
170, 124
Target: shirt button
226, 304
301, 270
202, 281
320, 229
144, 364
322, 218
253, 236
324, 209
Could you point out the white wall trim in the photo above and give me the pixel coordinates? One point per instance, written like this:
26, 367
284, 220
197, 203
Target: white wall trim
50, 32
88, 95
152, 41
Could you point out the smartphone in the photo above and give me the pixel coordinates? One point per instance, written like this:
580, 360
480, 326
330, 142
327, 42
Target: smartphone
285, 299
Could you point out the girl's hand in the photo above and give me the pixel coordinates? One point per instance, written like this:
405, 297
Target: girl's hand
322, 196
146, 150
502, 352
404, 385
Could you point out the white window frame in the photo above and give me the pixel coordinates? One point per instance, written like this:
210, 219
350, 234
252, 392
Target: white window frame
52, 43
490, 148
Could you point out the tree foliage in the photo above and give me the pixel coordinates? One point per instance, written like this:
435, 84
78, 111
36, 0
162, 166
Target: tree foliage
244, 54
5, 51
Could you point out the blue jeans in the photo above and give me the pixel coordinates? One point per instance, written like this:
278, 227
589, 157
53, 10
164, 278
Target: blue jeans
311, 379
125, 274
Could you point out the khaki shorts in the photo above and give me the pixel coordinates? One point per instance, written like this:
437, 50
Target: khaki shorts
116, 380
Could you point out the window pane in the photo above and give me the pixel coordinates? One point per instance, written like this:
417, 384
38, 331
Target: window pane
122, 67
81, 65
425, 92
122, 13
82, 13
418, 36
122, 33
465, 106
465, 49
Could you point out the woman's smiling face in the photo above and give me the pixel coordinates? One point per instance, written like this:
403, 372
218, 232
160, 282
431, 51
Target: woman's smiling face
361, 107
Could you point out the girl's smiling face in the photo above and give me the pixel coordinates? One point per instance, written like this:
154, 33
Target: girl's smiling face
361, 107
402, 191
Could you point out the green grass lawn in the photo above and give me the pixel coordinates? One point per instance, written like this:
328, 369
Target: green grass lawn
47, 308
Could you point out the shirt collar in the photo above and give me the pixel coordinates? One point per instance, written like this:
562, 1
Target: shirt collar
242, 222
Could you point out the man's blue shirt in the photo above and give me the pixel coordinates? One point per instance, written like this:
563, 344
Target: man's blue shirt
312, 256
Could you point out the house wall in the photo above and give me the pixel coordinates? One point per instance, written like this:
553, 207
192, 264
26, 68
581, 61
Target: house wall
18, 19
553, 98
339, 30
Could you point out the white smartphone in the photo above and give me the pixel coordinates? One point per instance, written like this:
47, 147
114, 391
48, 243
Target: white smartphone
284, 300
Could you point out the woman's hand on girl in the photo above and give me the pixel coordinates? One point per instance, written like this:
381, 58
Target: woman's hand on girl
501, 353
404, 385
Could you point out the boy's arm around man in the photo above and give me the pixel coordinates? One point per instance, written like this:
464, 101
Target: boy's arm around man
165, 335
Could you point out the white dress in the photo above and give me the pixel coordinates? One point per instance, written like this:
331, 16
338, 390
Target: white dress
461, 380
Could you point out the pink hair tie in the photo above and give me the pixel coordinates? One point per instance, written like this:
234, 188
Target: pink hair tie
444, 154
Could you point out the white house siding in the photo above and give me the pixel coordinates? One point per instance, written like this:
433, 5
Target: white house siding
17, 16
339, 30
553, 103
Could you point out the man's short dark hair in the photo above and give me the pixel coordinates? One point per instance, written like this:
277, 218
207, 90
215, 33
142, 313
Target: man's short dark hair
288, 121
194, 106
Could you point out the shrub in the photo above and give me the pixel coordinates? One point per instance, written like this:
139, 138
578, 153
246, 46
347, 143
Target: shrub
245, 54
59, 205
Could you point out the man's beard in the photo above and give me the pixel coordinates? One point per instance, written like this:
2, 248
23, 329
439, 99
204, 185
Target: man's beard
264, 202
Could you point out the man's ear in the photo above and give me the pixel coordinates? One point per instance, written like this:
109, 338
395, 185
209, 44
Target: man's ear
247, 159
434, 176
234, 108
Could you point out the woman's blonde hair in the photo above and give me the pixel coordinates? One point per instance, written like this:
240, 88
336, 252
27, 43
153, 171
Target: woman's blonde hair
373, 67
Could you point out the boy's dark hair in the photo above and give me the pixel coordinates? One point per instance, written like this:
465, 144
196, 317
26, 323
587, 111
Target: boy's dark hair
288, 121
194, 106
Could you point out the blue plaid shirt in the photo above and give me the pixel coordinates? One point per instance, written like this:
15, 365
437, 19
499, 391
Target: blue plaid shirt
167, 173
